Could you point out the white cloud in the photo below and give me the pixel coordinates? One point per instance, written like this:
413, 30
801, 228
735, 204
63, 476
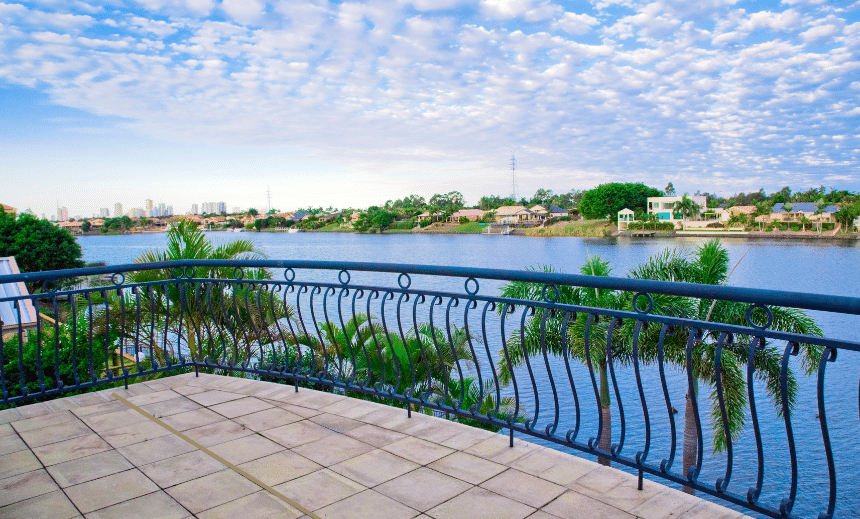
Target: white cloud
529, 10
574, 23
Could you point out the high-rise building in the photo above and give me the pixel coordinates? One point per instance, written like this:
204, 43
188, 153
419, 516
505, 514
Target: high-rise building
162, 210
117, 210
62, 214
168, 211
222, 207
103, 212
236, 209
194, 209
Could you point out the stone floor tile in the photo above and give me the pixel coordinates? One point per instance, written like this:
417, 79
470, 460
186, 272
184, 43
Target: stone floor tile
335, 423
154, 397
707, 510
600, 481
373, 435
470, 469
627, 495
386, 416
571, 469
156, 505
259, 505
572, 505
498, 449
54, 434
60, 404
156, 385
171, 407
539, 461
10, 415
219, 432
110, 490
333, 449
111, 420
70, 449
48, 420
240, 407
192, 419
423, 488
24, 486
268, 419
11, 443
210, 491
280, 467
540, 514
246, 449
467, 437
54, 505
340, 406
437, 431
669, 503
479, 503
86, 469
269, 392
99, 408
134, 433
33, 410
179, 469
319, 489
420, 451
304, 412
88, 399
360, 410
156, 449
374, 467
189, 390
7, 430
298, 433
18, 463
214, 397
525, 488
367, 504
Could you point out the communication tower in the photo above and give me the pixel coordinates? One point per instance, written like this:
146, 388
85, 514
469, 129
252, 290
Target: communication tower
268, 199
514, 177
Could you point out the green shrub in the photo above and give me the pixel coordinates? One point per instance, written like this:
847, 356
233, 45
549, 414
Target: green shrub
425, 223
651, 226
715, 225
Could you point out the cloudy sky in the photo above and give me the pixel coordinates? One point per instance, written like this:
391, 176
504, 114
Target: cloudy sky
353, 103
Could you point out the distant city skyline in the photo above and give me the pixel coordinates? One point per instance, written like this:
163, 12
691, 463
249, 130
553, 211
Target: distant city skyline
355, 103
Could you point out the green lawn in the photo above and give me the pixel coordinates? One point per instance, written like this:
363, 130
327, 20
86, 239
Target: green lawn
469, 228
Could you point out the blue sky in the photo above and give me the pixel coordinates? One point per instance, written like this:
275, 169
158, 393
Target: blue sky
354, 103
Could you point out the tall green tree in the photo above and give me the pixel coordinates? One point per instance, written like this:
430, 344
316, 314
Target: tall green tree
606, 200
38, 245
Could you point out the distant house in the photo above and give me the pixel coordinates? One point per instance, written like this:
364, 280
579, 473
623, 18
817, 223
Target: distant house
299, 216
427, 217
9, 313
511, 214
473, 215
72, 227
797, 212
664, 207
625, 216
547, 211
9, 209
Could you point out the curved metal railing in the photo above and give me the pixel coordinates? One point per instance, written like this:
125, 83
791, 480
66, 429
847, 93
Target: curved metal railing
595, 364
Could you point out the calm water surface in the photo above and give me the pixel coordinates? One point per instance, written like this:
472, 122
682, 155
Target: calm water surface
802, 266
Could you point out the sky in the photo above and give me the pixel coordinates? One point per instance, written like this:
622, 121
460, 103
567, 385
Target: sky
349, 104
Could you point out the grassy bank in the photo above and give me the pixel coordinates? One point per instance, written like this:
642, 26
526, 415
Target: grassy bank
582, 229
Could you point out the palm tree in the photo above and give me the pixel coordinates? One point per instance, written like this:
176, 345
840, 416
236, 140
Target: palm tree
707, 265
687, 207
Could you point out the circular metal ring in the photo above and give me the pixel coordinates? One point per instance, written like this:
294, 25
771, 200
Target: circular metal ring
118, 276
543, 293
289, 274
238, 273
466, 285
650, 303
188, 272
750, 318
177, 272
408, 281
340, 277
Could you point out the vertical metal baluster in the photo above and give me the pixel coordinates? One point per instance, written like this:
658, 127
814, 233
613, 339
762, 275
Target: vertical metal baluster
753, 493
454, 354
344, 292
164, 347
108, 372
295, 340
154, 365
394, 358
490, 305
122, 334
723, 483
373, 333
642, 455
791, 349
21, 338
88, 298
275, 317
74, 308
183, 308
693, 472
571, 434
39, 367
3, 388
331, 331
586, 338
137, 302
506, 309
550, 428
666, 463
408, 392
437, 301
472, 304
209, 324
529, 311
358, 293
616, 448
424, 358
828, 355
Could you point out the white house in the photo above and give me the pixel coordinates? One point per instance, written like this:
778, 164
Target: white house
664, 207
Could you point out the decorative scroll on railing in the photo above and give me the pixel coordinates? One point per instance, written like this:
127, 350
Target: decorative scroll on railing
594, 364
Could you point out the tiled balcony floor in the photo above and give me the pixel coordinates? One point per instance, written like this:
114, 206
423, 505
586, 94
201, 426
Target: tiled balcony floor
91, 456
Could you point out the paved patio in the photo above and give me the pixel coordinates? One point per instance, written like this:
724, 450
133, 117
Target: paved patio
93, 456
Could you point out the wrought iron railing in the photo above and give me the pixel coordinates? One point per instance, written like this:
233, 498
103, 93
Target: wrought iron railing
558, 360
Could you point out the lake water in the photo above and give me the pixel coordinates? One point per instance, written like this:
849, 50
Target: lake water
802, 266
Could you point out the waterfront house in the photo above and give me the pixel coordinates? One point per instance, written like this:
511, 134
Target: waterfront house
9, 209
511, 214
548, 211
797, 212
72, 227
664, 207
427, 217
625, 217
473, 215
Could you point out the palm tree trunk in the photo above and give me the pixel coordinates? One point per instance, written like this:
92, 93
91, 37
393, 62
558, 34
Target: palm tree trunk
605, 439
691, 439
